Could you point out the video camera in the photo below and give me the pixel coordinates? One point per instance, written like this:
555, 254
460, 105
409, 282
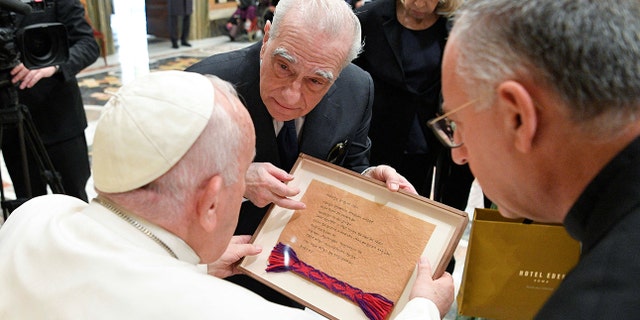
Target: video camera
36, 46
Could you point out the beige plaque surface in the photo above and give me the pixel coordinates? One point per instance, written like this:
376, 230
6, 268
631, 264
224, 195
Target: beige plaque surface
362, 241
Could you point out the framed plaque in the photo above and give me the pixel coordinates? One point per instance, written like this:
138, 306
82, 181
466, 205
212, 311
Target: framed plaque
352, 253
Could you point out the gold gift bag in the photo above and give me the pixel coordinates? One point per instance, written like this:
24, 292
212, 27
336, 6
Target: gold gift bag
511, 268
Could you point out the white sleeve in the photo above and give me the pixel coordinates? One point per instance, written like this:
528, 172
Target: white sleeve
419, 309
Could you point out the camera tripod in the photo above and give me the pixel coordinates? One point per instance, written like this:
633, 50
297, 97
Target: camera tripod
14, 114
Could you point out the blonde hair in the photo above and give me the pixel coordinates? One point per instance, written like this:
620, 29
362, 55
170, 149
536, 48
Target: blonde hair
448, 7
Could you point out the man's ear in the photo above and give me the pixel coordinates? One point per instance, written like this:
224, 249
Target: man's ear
208, 203
265, 37
520, 114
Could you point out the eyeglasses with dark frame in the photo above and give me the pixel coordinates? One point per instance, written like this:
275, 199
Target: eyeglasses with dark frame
445, 128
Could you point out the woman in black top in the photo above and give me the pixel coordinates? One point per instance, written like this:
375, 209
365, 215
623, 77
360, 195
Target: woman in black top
403, 45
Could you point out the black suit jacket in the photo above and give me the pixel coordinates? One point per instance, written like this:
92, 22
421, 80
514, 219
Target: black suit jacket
55, 103
605, 219
342, 115
180, 7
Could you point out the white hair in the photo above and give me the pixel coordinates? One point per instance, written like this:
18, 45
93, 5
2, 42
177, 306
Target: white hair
329, 17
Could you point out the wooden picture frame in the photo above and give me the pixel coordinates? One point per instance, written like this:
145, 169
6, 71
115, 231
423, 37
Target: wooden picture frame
353, 224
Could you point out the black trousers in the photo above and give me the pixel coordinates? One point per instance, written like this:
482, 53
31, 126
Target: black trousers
70, 159
173, 28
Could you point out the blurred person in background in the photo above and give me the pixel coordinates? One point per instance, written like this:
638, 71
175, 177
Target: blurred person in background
403, 45
177, 9
53, 98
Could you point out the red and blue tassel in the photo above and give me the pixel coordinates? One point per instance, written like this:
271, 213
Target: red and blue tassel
283, 258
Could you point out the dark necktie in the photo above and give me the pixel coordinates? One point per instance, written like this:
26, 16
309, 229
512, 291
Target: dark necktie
288, 145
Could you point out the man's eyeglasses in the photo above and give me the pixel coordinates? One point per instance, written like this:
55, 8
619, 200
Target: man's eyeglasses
445, 128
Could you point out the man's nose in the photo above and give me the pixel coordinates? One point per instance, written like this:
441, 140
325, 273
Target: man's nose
459, 155
292, 92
